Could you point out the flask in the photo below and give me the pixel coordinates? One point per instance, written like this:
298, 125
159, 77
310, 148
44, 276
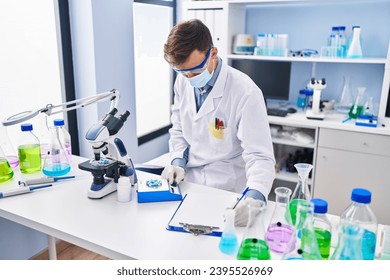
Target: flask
301, 194
303, 243
280, 229
56, 162
355, 48
29, 150
6, 172
43, 135
357, 108
349, 242
360, 213
64, 137
9, 151
322, 226
228, 243
253, 245
124, 189
346, 100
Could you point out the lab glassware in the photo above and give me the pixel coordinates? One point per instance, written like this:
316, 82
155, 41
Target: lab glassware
322, 226
280, 229
228, 243
253, 245
385, 254
8, 149
64, 136
357, 108
301, 194
355, 48
349, 242
29, 150
6, 172
346, 99
303, 243
43, 134
56, 161
360, 213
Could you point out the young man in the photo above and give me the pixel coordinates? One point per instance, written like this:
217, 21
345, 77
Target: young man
220, 134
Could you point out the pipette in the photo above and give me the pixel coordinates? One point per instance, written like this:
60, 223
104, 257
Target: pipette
43, 180
22, 190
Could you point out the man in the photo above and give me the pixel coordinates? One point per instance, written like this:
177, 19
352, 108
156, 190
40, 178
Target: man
220, 134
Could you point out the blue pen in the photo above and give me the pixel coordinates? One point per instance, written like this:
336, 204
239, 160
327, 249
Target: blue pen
242, 196
22, 190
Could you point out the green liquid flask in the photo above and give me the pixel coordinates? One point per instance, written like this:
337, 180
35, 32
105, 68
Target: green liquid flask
253, 245
29, 150
6, 172
322, 226
301, 194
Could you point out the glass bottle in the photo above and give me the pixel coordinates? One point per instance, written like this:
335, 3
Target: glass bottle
29, 150
360, 213
301, 194
303, 243
280, 229
322, 226
8, 149
346, 99
349, 242
228, 243
64, 137
56, 161
253, 245
6, 172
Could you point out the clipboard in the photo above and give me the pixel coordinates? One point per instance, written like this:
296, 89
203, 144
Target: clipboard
201, 213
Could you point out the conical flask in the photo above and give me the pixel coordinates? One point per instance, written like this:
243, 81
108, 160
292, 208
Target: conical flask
349, 246
303, 243
253, 245
56, 161
6, 172
346, 99
358, 107
43, 134
228, 243
9, 151
280, 228
301, 194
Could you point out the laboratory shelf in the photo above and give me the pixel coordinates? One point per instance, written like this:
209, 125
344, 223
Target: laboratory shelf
282, 141
367, 60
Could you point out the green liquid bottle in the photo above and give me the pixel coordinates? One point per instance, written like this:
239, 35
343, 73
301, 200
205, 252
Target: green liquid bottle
322, 226
29, 151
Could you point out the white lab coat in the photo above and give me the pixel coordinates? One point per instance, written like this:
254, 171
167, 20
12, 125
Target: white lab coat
244, 157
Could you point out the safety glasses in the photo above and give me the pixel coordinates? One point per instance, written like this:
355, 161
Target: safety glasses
197, 69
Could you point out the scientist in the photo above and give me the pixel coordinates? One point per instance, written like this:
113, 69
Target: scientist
220, 134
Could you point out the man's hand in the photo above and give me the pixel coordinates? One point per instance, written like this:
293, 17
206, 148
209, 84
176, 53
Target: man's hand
242, 210
174, 174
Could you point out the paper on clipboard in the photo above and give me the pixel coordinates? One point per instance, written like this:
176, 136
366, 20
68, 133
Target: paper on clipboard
203, 211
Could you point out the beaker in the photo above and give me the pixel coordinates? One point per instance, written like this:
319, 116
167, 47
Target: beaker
6, 172
346, 99
349, 246
358, 107
303, 243
301, 194
280, 229
253, 245
56, 161
228, 243
8, 149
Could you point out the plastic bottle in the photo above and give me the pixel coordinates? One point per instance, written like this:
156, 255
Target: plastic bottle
349, 242
360, 213
355, 48
6, 172
228, 243
124, 189
29, 150
322, 226
64, 137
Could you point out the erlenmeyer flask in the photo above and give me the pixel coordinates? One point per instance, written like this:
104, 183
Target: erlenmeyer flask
6, 172
346, 98
9, 151
280, 229
358, 107
43, 134
56, 160
303, 243
349, 246
228, 243
301, 194
253, 245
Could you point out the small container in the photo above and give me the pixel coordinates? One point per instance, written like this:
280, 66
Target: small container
322, 226
124, 189
301, 101
29, 150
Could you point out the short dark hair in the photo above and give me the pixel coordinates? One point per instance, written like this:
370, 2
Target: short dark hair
184, 38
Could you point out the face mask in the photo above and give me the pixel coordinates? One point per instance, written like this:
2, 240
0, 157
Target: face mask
202, 79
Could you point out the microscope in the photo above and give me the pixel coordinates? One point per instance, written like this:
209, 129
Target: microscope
316, 111
110, 159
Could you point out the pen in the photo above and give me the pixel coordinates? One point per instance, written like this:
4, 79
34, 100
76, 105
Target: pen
22, 190
242, 196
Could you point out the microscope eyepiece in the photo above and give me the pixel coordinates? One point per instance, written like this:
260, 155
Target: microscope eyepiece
124, 116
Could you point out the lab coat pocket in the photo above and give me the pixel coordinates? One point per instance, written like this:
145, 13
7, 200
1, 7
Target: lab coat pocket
220, 139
